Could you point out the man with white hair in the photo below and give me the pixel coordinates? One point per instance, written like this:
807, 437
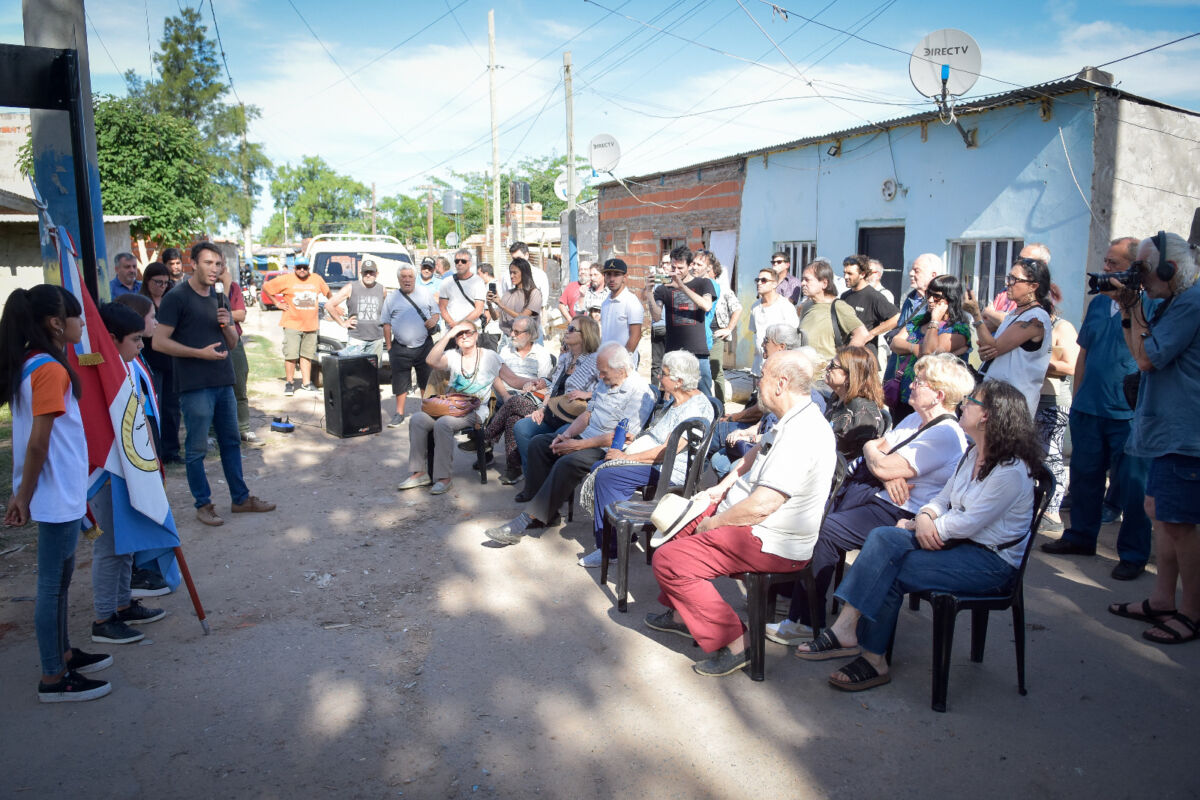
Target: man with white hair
460, 296
556, 463
764, 516
409, 317
925, 268
875, 278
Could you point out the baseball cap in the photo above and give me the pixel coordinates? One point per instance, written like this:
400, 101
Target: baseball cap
428, 262
369, 266
615, 265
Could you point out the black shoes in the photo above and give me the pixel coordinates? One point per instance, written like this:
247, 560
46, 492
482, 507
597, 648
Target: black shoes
145, 583
72, 688
722, 663
665, 622
1127, 570
138, 614
1063, 547
114, 631
86, 663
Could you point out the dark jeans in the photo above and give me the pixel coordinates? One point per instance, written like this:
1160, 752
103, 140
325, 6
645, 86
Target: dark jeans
552, 478
658, 348
213, 406
1099, 447
56, 564
612, 485
892, 564
168, 409
856, 514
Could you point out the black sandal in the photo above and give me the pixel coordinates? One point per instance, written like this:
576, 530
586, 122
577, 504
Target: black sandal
1147, 614
826, 646
1174, 636
862, 676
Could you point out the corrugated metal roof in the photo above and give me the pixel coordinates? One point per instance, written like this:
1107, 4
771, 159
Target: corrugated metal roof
1014, 97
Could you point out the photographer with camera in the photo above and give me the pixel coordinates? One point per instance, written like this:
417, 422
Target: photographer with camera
1166, 348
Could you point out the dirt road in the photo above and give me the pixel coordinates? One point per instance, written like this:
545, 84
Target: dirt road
371, 643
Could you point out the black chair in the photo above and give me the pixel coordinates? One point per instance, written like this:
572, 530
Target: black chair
632, 517
946, 606
759, 585
475, 434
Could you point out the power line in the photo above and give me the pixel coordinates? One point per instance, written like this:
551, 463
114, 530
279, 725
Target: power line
149, 47
100, 39
461, 30
221, 47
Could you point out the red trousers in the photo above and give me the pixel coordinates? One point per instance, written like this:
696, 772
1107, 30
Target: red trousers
686, 565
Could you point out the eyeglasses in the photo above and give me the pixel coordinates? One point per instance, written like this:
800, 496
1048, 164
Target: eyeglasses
918, 382
778, 261
1012, 280
159, 281
972, 399
931, 296
466, 333
462, 261
299, 268
521, 331
573, 329
835, 364
764, 280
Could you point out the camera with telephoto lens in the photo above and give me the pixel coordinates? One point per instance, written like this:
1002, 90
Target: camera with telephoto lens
1100, 281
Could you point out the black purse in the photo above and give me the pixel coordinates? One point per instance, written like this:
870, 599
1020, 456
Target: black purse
861, 473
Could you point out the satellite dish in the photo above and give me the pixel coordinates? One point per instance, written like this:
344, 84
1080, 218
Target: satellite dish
604, 152
946, 62
560, 185
451, 239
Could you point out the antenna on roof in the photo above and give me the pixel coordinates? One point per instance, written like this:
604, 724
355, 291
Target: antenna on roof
945, 65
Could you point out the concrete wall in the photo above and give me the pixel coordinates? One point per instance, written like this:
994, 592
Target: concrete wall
14, 132
1015, 184
21, 253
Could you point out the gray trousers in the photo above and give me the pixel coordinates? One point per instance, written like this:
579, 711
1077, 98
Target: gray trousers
444, 428
110, 572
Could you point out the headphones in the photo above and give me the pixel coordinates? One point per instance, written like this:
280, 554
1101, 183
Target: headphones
1165, 269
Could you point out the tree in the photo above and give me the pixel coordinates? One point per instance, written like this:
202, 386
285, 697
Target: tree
316, 199
153, 165
540, 172
189, 87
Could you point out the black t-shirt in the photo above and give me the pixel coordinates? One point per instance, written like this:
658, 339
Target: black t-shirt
194, 319
871, 307
685, 319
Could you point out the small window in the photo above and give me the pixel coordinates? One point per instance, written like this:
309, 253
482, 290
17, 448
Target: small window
981, 264
670, 244
621, 240
799, 254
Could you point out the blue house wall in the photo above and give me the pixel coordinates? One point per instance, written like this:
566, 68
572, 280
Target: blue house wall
1017, 183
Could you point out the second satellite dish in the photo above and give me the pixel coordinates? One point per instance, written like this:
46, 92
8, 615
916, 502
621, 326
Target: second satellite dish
604, 152
946, 62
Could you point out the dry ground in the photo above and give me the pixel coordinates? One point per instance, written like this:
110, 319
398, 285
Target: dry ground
431, 664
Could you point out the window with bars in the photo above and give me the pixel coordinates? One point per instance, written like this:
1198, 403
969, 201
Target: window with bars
799, 253
981, 264
621, 241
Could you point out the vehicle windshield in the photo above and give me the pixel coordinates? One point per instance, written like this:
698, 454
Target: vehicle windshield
339, 267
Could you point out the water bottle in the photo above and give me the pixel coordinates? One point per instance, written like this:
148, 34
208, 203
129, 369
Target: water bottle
618, 442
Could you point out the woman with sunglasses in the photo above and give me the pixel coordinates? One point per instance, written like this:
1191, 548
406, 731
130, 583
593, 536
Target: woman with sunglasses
941, 327
856, 409
1018, 349
472, 370
572, 383
967, 539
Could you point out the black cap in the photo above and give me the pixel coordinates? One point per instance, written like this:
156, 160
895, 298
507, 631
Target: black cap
428, 262
369, 266
615, 265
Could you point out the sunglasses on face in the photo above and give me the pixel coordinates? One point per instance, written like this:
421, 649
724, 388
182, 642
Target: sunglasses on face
764, 280
1013, 280
301, 269
778, 261
836, 365
462, 261
940, 297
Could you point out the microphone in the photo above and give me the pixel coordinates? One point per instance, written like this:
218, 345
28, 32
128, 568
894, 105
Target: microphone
219, 288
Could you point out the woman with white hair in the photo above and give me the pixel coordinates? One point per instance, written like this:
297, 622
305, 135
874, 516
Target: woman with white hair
1167, 350
622, 472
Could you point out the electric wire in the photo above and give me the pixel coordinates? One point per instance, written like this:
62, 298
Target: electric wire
463, 31
100, 39
221, 47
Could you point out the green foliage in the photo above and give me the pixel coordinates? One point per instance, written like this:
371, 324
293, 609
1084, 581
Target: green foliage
189, 87
25, 157
154, 165
316, 200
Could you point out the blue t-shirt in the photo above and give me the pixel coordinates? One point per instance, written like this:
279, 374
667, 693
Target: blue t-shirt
1101, 393
1165, 419
708, 315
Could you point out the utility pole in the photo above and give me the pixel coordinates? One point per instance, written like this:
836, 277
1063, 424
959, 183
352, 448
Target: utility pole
372, 208
429, 216
572, 241
285, 225
61, 25
495, 141
248, 180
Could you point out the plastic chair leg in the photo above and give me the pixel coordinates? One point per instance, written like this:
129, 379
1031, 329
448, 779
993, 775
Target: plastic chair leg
914, 603
480, 453
623, 533
944, 612
757, 588
838, 572
1018, 609
429, 455
979, 627
814, 605
606, 532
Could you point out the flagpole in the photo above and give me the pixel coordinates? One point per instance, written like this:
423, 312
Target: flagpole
191, 587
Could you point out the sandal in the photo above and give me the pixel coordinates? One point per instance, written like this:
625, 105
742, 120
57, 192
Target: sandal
862, 676
824, 647
1173, 636
1147, 614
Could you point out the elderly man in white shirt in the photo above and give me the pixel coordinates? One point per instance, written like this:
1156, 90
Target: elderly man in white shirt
558, 462
764, 517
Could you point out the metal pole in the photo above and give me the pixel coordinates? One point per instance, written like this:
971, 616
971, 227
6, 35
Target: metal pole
572, 243
495, 140
372, 208
87, 236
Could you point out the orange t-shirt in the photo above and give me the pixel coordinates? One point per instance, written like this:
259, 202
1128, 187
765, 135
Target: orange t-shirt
302, 299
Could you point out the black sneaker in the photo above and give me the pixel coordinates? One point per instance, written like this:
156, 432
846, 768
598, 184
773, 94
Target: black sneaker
309, 387
114, 631
467, 446
73, 688
397, 421
138, 614
509, 478
145, 583
722, 663
665, 622
85, 663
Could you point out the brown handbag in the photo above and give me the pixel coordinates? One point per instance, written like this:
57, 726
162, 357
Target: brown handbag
454, 404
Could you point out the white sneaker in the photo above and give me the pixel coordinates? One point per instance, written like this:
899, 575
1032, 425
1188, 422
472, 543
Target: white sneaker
594, 560
412, 482
788, 632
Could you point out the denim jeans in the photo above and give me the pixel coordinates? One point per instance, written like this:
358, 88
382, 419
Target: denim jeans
216, 407
56, 563
706, 378
111, 571
524, 431
1099, 447
612, 485
892, 564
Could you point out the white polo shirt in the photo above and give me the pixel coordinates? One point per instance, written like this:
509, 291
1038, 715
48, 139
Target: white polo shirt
617, 313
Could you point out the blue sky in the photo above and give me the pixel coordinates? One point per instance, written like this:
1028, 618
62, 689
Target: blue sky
419, 108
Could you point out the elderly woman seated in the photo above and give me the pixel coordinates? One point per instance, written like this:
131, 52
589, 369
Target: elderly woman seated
968, 539
622, 472
898, 473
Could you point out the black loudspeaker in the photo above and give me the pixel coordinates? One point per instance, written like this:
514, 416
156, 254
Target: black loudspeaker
351, 395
